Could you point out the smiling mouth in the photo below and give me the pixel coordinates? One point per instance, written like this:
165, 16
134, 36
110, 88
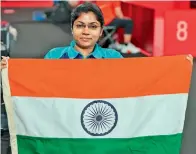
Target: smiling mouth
85, 39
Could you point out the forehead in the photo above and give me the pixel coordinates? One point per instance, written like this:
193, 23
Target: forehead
88, 17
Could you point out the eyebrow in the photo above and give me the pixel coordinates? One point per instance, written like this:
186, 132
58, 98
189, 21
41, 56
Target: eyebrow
89, 23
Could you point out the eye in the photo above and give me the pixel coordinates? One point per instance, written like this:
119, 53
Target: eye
79, 26
93, 26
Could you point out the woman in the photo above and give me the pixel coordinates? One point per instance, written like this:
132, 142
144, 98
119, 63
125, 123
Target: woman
87, 27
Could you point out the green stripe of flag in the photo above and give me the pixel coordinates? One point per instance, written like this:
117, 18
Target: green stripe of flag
163, 144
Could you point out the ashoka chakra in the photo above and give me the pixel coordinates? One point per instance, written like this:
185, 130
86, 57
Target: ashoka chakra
99, 118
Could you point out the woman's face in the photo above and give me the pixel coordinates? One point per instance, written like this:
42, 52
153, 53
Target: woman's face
86, 30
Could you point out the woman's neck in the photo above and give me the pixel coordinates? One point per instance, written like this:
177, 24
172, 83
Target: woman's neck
84, 52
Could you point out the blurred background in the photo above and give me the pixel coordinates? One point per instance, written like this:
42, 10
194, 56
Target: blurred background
160, 28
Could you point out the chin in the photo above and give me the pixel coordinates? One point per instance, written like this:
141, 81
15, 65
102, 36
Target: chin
85, 44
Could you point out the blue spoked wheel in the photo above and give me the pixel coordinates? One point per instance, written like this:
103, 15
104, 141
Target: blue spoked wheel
99, 118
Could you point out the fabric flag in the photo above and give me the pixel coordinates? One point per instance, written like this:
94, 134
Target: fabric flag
105, 106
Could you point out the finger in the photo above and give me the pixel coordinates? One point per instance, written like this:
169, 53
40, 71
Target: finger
3, 63
4, 57
3, 66
4, 60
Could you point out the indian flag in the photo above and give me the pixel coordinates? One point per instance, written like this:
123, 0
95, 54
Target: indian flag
105, 106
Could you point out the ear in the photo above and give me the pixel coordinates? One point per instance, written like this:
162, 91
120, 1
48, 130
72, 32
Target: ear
71, 30
101, 33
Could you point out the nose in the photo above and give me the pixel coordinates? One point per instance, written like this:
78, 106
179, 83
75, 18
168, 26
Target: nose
86, 30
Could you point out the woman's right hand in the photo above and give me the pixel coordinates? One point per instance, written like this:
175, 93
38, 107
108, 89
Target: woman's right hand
4, 62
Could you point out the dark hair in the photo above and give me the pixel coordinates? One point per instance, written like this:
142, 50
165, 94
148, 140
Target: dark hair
85, 8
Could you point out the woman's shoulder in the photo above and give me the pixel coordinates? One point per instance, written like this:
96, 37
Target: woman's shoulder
110, 53
56, 53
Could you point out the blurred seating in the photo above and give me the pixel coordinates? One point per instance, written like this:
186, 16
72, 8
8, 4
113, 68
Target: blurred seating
108, 36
